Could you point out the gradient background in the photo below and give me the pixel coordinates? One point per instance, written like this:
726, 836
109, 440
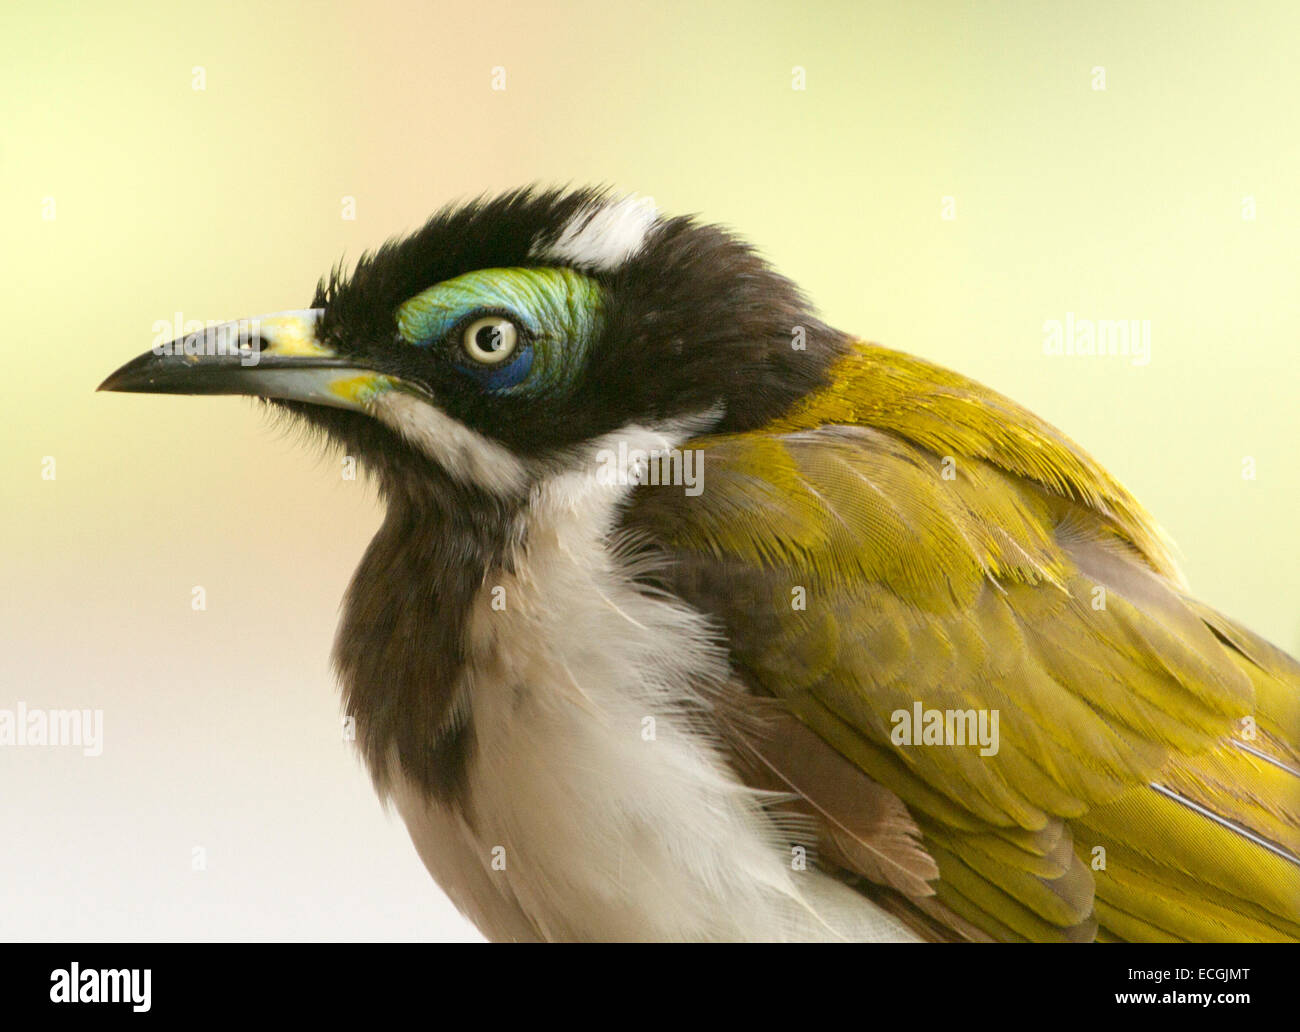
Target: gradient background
222, 727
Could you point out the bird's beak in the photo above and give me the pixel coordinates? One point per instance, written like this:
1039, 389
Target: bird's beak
270, 356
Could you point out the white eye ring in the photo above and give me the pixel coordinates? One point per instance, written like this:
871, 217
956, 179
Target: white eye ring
490, 340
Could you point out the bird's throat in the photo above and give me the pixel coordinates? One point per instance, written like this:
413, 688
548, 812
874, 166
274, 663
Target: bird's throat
401, 646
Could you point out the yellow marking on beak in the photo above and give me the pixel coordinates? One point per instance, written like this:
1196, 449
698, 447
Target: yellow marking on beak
291, 334
360, 390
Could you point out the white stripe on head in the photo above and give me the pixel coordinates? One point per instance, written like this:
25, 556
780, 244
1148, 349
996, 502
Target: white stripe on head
602, 236
464, 453
568, 476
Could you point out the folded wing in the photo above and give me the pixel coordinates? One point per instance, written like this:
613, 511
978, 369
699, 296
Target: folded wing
912, 538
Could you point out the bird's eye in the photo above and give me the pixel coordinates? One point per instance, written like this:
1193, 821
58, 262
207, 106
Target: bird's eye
490, 340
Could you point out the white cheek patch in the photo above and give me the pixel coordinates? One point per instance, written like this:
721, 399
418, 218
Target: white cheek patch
465, 454
603, 236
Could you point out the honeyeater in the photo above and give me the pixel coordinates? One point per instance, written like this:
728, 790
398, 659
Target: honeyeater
692, 617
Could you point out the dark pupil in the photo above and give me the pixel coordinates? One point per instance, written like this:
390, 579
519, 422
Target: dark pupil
490, 338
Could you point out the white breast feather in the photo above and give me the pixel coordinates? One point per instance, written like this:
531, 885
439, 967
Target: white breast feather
586, 825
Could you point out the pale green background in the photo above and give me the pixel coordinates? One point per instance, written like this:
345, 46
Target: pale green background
222, 726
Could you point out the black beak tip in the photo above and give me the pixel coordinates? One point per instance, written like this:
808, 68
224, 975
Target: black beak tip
131, 377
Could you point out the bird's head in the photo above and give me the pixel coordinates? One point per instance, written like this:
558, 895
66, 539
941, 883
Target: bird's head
502, 339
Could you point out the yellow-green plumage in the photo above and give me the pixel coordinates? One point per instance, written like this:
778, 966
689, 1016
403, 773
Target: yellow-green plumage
953, 549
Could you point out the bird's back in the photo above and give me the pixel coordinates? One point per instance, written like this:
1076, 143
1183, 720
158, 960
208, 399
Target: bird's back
908, 542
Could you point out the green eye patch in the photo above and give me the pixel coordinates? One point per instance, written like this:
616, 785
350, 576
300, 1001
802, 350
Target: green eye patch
558, 310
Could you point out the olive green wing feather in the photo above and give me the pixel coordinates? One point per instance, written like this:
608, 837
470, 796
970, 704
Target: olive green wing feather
865, 556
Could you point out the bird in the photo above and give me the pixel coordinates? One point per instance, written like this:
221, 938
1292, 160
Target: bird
693, 618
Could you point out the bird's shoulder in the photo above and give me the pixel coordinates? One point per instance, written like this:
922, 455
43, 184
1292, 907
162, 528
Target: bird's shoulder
957, 418
908, 536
